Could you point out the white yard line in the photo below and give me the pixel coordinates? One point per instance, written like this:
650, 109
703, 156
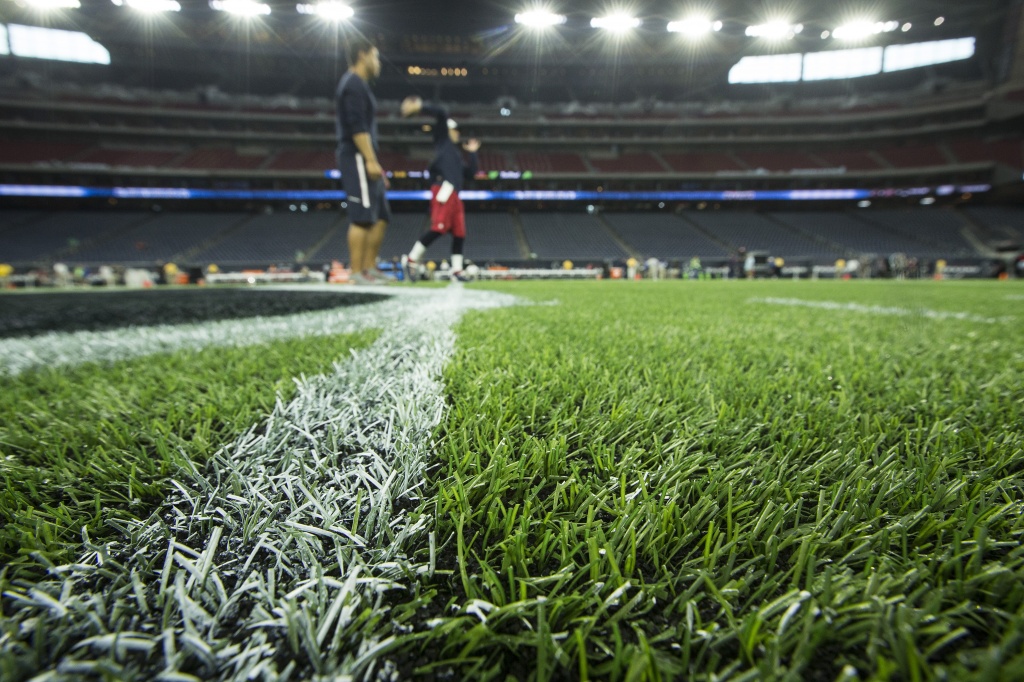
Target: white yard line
52, 349
266, 563
882, 310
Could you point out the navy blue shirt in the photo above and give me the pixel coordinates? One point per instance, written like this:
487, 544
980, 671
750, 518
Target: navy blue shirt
447, 163
356, 112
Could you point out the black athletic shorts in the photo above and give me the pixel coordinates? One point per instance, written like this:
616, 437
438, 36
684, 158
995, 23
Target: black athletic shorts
367, 199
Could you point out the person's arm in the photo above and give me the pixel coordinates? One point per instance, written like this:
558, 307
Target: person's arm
469, 170
440, 114
413, 105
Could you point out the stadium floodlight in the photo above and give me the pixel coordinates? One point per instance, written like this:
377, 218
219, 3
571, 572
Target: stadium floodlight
916, 55
329, 11
243, 8
540, 18
150, 6
776, 68
49, 43
694, 26
618, 22
775, 30
907, 26
54, 4
840, 64
859, 30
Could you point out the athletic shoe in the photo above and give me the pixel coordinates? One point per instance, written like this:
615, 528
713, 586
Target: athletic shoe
377, 278
459, 276
410, 269
359, 279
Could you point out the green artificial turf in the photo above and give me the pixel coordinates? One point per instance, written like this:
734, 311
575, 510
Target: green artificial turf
635, 481
669, 481
86, 446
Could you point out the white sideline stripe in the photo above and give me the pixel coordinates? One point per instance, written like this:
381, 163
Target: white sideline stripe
883, 310
270, 513
364, 187
54, 349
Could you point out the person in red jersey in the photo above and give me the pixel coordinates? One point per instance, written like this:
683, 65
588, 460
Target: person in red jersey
448, 172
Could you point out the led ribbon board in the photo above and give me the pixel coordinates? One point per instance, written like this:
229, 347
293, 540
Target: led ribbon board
165, 193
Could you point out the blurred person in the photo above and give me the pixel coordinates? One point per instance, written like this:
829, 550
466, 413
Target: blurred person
62, 275
695, 269
362, 177
449, 173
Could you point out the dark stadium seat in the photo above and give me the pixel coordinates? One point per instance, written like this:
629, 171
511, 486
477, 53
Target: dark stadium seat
663, 236
557, 236
132, 158
491, 237
61, 232
36, 152
852, 160
939, 231
303, 160
220, 158
756, 232
703, 162
1004, 222
852, 234
275, 238
1009, 151
914, 156
778, 161
539, 162
628, 163
160, 238
402, 233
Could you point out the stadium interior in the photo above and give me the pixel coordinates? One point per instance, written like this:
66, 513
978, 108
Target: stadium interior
140, 133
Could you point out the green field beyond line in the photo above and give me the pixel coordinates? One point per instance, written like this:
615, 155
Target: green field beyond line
639, 481
671, 481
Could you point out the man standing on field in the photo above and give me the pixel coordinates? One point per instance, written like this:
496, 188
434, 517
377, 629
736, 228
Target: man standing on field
362, 177
449, 173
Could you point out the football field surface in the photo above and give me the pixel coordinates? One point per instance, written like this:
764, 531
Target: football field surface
528, 480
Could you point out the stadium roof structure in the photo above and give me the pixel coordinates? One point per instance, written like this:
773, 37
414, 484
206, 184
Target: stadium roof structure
473, 51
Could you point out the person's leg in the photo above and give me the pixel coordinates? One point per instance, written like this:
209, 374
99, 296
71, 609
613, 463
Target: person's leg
375, 237
457, 260
458, 224
421, 245
357, 246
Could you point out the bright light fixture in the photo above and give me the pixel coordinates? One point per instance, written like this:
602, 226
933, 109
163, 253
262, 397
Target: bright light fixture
775, 68
150, 6
775, 30
48, 43
616, 23
694, 26
244, 8
840, 64
330, 10
940, 21
915, 55
540, 18
859, 30
907, 26
54, 4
